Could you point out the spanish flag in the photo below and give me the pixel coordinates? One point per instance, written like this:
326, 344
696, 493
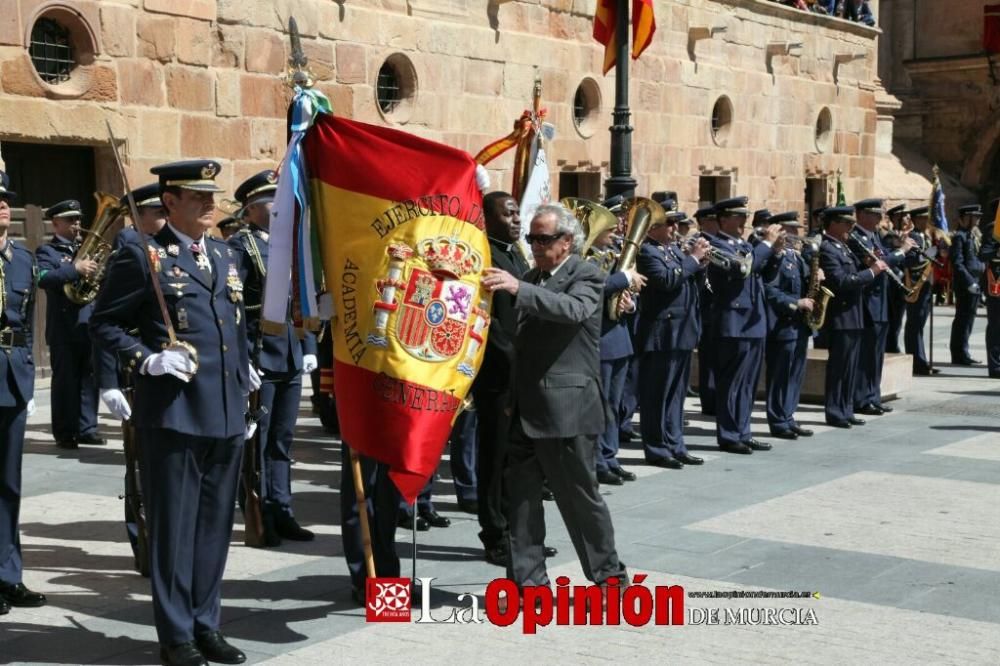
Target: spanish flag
399, 226
643, 28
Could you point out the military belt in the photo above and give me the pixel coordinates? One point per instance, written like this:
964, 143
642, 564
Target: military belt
10, 338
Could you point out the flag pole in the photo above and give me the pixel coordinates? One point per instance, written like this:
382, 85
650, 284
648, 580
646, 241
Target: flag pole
621, 180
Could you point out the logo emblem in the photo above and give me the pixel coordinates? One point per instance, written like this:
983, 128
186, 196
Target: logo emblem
387, 600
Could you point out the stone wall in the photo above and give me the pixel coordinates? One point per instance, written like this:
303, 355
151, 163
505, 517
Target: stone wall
199, 78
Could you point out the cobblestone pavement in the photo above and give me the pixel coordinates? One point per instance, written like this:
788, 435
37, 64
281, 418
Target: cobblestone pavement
893, 524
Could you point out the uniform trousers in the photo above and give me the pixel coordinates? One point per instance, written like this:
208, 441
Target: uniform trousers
493, 438
868, 388
630, 395
786, 368
568, 466
74, 393
189, 489
993, 335
961, 326
281, 395
897, 308
664, 379
842, 374
12, 425
462, 459
913, 333
382, 503
737, 367
706, 372
614, 373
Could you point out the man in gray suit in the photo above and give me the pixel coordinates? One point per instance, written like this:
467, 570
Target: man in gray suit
556, 406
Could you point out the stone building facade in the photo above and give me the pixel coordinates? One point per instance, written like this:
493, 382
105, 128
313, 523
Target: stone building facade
733, 96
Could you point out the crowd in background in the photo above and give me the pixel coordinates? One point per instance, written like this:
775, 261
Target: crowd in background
852, 10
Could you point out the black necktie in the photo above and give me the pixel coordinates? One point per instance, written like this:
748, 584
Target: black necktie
542, 277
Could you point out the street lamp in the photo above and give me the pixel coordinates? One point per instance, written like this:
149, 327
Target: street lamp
621, 180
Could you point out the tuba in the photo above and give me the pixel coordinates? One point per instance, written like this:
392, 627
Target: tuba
97, 247
819, 294
642, 214
595, 220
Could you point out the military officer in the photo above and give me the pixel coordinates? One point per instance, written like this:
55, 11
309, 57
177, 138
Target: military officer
17, 383
968, 272
152, 217
228, 226
668, 331
919, 269
864, 241
281, 359
893, 240
190, 403
708, 228
74, 392
990, 256
739, 319
760, 220
787, 335
846, 277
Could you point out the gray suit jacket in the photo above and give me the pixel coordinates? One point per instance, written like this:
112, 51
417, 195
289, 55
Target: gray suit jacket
556, 383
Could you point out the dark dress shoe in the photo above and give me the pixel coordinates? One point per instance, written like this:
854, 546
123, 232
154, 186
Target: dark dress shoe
469, 506
668, 463
549, 551
802, 432
215, 648
757, 445
92, 438
839, 424
67, 444
855, 421
406, 522
736, 447
547, 495
624, 474
926, 372
688, 459
626, 435
967, 361
498, 555
870, 410
785, 434
289, 528
435, 519
884, 408
271, 537
19, 596
182, 654
606, 477
4, 606
687, 422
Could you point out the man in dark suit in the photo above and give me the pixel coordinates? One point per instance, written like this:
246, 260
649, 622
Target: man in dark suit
787, 335
919, 275
17, 385
966, 283
668, 331
846, 277
74, 393
556, 405
739, 318
189, 407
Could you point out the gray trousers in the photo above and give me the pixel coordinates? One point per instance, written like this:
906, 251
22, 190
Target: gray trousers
569, 466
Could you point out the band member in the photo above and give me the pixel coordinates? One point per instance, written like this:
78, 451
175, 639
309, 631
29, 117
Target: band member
990, 256
787, 334
190, 403
74, 393
739, 320
152, 217
846, 277
17, 385
668, 331
708, 228
918, 269
630, 393
968, 274
899, 229
228, 226
281, 359
865, 242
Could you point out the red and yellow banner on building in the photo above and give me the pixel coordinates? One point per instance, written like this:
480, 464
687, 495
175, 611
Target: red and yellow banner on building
400, 228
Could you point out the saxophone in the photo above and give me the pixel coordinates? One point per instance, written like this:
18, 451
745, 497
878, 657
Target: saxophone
916, 286
95, 247
819, 294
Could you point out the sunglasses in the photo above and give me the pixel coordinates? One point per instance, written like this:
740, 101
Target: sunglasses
543, 239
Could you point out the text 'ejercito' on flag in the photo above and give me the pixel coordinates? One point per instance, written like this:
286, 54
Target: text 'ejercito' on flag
401, 239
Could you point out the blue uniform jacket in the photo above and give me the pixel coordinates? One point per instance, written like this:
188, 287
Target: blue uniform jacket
967, 268
846, 279
738, 308
669, 316
17, 368
105, 361
790, 282
279, 354
206, 313
615, 339
876, 295
65, 321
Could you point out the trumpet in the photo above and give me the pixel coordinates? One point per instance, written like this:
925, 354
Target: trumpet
719, 258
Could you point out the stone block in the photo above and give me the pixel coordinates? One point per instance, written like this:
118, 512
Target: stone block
190, 88
265, 96
157, 37
10, 29
118, 30
140, 82
265, 52
228, 44
483, 78
352, 63
268, 139
227, 93
103, 85
159, 135
341, 98
204, 10
19, 77
195, 41
321, 59
215, 137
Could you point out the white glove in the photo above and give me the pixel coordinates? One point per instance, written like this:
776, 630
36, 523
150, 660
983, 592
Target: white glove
254, 376
974, 289
116, 403
251, 429
482, 178
31, 407
309, 363
170, 362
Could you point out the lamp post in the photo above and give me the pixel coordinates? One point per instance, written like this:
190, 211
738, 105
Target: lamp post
621, 180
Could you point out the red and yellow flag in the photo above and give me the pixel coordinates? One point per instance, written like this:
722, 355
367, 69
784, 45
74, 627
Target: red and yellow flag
402, 244
643, 28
